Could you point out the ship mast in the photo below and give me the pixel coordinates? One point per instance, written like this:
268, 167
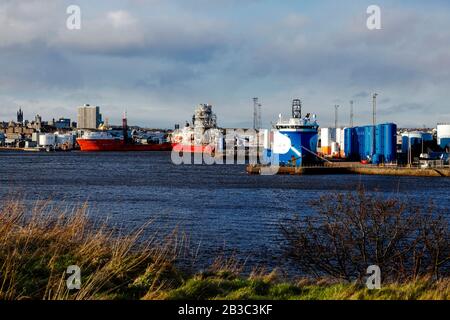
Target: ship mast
125, 127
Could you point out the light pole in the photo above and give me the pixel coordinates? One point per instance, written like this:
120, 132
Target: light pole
409, 151
374, 108
374, 121
351, 113
336, 108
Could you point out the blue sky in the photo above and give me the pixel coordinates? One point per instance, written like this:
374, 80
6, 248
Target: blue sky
157, 59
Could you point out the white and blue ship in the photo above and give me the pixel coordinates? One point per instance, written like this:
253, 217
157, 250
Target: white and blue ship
294, 140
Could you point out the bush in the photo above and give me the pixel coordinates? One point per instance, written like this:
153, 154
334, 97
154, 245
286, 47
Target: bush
353, 231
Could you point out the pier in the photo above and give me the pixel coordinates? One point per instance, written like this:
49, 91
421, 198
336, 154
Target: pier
342, 168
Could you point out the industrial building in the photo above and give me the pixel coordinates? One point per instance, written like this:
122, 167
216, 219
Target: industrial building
62, 123
89, 117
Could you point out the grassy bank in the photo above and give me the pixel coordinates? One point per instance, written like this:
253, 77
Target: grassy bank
37, 246
216, 287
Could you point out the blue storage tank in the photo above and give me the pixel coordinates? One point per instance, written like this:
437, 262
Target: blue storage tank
379, 139
348, 142
351, 143
390, 142
444, 143
377, 158
368, 141
359, 143
414, 139
360, 131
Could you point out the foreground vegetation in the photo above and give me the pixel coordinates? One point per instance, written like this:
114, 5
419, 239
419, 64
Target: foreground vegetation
38, 244
251, 288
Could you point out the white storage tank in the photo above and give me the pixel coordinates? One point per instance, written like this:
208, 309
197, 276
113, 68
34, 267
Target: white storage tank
327, 137
340, 139
335, 149
47, 139
443, 134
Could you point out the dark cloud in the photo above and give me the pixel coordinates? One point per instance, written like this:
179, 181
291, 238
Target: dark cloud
404, 108
361, 94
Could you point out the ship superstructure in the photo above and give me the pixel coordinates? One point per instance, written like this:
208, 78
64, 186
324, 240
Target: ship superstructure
294, 140
200, 135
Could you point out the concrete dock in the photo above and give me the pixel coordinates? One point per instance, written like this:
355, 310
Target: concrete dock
358, 169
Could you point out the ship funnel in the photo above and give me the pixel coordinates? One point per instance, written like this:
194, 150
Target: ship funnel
296, 109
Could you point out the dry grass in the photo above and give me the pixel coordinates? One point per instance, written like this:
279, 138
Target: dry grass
37, 245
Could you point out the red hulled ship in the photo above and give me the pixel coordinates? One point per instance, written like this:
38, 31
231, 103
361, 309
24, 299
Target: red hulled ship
107, 141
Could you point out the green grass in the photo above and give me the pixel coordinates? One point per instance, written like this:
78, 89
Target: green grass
198, 288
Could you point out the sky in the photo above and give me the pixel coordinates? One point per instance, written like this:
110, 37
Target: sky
158, 59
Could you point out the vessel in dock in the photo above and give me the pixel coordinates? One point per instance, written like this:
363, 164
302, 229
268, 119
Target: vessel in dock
111, 140
201, 136
294, 140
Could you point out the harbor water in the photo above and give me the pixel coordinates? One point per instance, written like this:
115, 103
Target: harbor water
222, 209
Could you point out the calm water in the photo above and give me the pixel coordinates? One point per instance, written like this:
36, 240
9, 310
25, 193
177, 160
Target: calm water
221, 208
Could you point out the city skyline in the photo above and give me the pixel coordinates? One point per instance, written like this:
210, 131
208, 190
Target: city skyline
158, 60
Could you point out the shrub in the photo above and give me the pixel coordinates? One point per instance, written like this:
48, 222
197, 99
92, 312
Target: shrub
350, 232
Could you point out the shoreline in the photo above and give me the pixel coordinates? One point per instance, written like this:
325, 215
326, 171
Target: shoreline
361, 170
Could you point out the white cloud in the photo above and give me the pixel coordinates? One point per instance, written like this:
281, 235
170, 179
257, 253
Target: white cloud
121, 19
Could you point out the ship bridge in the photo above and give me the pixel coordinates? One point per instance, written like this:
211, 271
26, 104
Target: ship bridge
296, 124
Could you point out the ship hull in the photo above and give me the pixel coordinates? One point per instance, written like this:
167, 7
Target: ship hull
192, 148
92, 145
301, 148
